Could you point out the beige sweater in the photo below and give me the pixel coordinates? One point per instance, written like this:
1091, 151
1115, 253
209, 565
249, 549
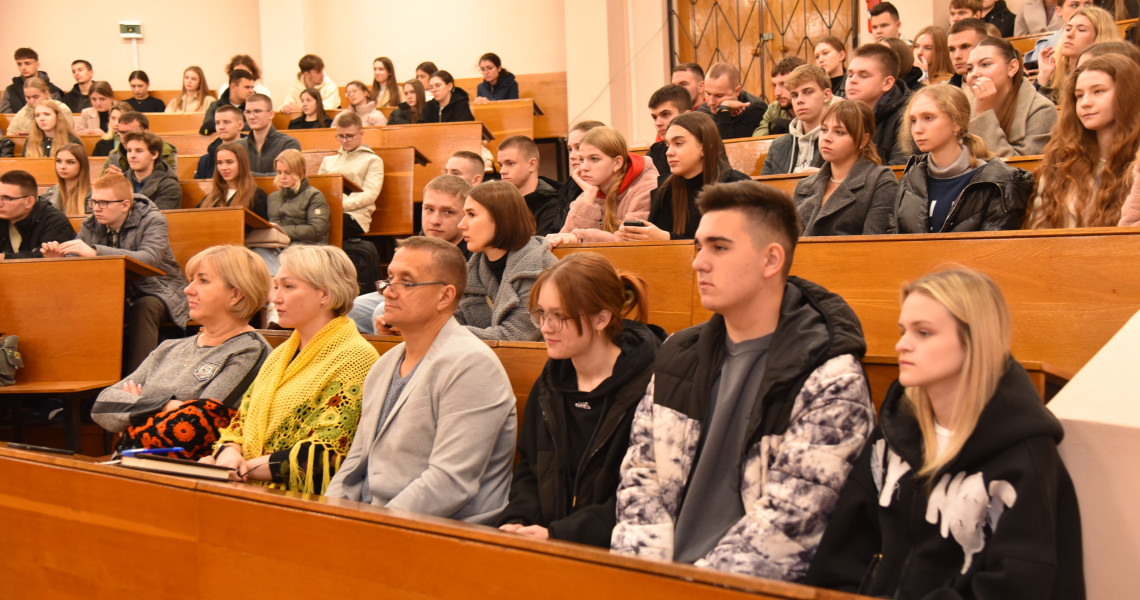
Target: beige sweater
23, 121
365, 169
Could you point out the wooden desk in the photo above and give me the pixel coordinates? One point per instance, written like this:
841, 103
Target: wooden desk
437, 142
165, 95
43, 169
192, 230
88, 142
506, 118
549, 93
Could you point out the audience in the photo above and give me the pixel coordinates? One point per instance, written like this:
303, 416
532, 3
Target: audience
964, 9
28, 223
1086, 27
665, 104
1009, 115
360, 102
385, 86
195, 96
233, 183
964, 35
313, 115
498, 83
575, 428
150, 176
466, 165
77, 98
264, 142
228, 120
831, 56
518, 166
93, 119
357, 163
871, 80
691, 77
300, 209
737, 112
779, 113
28, 64
932, 55
164, 404
884, 21
72, 194
50, 131
964, 438
141, 100
1038, 16
798, 150
996, 13
853, 194
409, 111
954, 184
312, 75
35, 90
240, 89
448, 104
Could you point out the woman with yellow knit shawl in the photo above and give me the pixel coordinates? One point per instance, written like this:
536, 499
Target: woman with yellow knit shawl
296, 421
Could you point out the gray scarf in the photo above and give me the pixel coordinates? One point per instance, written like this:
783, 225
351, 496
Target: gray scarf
954, 169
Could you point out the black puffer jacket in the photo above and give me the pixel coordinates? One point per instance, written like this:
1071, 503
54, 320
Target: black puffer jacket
44, 224
994, 200
889, 112
457, 109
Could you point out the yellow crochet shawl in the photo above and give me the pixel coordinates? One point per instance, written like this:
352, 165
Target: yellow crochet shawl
308, 405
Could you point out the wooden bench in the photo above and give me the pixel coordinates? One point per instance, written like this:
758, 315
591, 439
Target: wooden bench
164, 124
43, 169
88, 141
788, 182
437, 142
192, 230
165, 95
549, 93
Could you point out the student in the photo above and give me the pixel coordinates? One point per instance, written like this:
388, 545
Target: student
448, 104
133, 121
228, 120
360, 102
964, 35
964, 9
1038, 16
1066, 9
737, 113
385, 86
798, 150
1089, 158
424, 71
244, 62
466, 165
300, 209
148, 175
195, 96
1086, 27
93, 119
312, 75
909, 74
141, 100
72, 194
932, 55
409, 112
292, 432
831, 56
884, 21
437, 428
871, 80
313, 115
964, 439
691, 77
698, 158
240, 89
23, 122
954, 184
233, 184
616, 187
360, 165
109, 143
131, 225
779, 360
1009, 115
498, 83
77, 99
187, 389
28, 223
264, 142
664, 105
51, 130
573, 186
518, 166
997, 13
575, 428
779, 113
853, 194
28, 64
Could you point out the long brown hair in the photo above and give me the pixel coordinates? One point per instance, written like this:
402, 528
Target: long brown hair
244, 183
941, 67
323, 117
73, 200
588, 283
62, 135
859, 122
414, 112
391, 92
1008, 106
199, 100
953, 102
611, 143
713, 164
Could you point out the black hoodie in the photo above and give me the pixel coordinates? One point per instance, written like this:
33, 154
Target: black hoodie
543, 204
457, 109
1006, 496
570, 457
889, 112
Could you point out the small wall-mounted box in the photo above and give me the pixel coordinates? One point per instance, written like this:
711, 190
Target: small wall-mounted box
130, 29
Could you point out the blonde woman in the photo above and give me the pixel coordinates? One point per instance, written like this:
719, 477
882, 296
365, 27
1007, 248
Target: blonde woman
195, 96
1087, 26
72, 195
51, 130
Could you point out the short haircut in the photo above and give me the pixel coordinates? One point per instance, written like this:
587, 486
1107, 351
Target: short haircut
586, 126
523, 144
244, 62
974, 6
970, 24
37, 83
723, 69
693, 68
787, 65
311, 62
447, 261
150, 138
238, 74
674, 94
140, 75
514, 223
260, 98
82, 62
886, 57
450, 185
22, 179
132, 116
473, 158
230, 108
808, 74
769, 209
239, 269
904, 53
324, 267
117, 183
884, 7
23, 53
348, 118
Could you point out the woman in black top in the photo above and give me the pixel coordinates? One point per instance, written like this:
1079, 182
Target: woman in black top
449, 104
313, 115
410, 111
142, 101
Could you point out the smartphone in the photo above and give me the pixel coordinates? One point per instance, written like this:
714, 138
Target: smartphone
633, 223
18, 446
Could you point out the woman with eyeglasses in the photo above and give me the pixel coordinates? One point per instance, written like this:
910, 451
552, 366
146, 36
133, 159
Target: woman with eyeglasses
575, 429
448, 103
498, 83
507, 259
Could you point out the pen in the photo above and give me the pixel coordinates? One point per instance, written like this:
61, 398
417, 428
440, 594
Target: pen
137, 451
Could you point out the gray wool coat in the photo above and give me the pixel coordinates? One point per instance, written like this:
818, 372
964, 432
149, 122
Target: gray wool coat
862, 205
497, 310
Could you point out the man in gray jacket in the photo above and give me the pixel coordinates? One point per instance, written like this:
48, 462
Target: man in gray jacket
437, 431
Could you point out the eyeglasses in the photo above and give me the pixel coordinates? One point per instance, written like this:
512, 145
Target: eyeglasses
346, 137
11, 199
387, 283
257, 112
102, 204
556, 321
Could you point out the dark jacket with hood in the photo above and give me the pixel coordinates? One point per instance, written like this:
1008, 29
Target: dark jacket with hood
506, 88
913, 79
807, 425
543, 204
76, 100
570, 490
994, 200
45, 223
889, 113
402, 115
661, 210
458, 109
14, 94
1000, 521
1001, 17
862, 205
741, 125
161, 186
208, 127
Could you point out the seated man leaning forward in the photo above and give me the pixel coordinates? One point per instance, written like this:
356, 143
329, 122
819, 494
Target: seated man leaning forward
770, 390
437, 432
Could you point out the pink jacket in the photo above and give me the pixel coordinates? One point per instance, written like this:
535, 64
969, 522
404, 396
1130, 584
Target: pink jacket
586, 213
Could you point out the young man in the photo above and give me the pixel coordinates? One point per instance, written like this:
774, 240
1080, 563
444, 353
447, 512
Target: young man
130, 225
228, 120
518, 165
736, 112
1066, 9
798, 150
312, 75
997, 13
691, 77
264, 142
77, 98
28, 64
466, 164
665, 104
963, 36
779, 114
149, 176
885, 21
437, 428
241, 88
965, 9
871, 80
749, 428
26, 223
357, 163
136, 121
35, 89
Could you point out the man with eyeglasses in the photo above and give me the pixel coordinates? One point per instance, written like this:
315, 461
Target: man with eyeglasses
26, 222
360, 165
437, 428
264, 142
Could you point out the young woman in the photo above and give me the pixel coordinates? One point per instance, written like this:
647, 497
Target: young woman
1087, 165
313, 115
616, 187
963, 439
411, 109
195, 97
572, 188
142, 101
507, 258
72, 194
1009, 115
187, 389
93, 119
110, 140
1087, 26
424, 71
696, 159
233, 183
385, 86
498, 83
51, 131
853, 194
296, 422
575, 428
299, 208
831, 56
932, 55
449, 104
954, 185
360, 101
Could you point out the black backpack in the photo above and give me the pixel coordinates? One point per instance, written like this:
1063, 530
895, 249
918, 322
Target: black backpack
366, 259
